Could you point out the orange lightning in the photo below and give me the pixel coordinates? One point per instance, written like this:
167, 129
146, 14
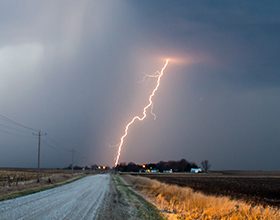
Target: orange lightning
144, 113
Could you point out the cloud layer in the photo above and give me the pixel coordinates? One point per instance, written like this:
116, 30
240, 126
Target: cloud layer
74, 70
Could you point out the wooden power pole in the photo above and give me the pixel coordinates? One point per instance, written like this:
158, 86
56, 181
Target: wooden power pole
39, 141
72, 151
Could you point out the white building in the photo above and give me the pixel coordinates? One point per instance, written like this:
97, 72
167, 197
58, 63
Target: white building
196, 170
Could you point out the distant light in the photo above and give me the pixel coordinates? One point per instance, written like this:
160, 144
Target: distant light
144, 166
104, 167
99, 167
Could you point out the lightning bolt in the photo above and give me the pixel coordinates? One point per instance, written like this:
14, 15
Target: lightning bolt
159, 75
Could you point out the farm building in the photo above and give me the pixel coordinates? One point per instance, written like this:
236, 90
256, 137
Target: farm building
196, 170
168, 171
152, 171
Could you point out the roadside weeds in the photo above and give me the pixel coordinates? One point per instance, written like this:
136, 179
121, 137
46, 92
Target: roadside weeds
37, 188
183, 203
140, 208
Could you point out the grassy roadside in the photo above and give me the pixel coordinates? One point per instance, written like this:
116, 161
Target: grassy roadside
184, 203
142, 208
38, 189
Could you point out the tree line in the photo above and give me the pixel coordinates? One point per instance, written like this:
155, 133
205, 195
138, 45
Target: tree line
176, 166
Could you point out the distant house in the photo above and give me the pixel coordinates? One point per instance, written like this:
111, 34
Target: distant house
151, 171
168, 171
154, 171
196, 170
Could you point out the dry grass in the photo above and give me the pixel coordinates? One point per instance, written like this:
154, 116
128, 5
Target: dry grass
12, 177
17, 182
31, 186
183, 203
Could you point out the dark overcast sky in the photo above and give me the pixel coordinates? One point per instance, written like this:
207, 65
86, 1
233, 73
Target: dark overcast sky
74, 68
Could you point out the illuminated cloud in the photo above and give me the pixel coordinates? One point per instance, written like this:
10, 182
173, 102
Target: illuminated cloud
73, 69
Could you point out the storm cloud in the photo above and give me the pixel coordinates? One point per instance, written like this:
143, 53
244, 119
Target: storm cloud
73, 69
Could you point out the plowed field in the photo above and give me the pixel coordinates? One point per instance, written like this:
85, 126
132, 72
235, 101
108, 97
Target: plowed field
256, 188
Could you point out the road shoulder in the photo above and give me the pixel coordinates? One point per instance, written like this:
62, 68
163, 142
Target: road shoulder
124, 203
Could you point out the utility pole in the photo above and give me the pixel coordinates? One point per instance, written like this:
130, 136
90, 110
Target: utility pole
72, 160
39, 140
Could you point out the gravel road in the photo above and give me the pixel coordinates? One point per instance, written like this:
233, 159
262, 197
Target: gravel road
81, 199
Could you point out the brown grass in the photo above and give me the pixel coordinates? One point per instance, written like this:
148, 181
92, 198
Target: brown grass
17, 176
18, 181
183, 203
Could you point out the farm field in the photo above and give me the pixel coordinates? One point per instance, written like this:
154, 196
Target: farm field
16, 180
256, 188
14, 176
11, 175
177, 202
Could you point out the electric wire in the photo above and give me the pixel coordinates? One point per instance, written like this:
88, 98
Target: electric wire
14, 128
15, 134
54, 142
47, 140
83, 157
49, 145
16, 123
55, 146
50, 142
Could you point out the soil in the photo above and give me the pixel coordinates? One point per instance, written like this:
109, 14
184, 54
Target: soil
256, 188
121, 202
114, 206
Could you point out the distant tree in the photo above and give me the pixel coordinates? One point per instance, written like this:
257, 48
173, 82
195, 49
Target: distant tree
132, 167
122, 167
161, 166
173, 165
151, 166
205, 165
94, 167
182, 165
176, 166
77, 167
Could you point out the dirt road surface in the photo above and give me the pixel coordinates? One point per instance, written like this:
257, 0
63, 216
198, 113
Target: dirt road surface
83, 199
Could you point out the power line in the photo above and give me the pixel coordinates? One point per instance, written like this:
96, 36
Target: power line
50, 146
83, 157
16, 123
14, 129
54, 142
14, 134
63, 148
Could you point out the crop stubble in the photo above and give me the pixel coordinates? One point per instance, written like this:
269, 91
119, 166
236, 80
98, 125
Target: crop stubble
253, 188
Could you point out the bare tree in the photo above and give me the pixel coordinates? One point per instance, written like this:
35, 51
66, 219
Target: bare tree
205, 165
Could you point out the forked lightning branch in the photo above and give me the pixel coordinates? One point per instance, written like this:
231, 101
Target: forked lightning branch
150, 105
